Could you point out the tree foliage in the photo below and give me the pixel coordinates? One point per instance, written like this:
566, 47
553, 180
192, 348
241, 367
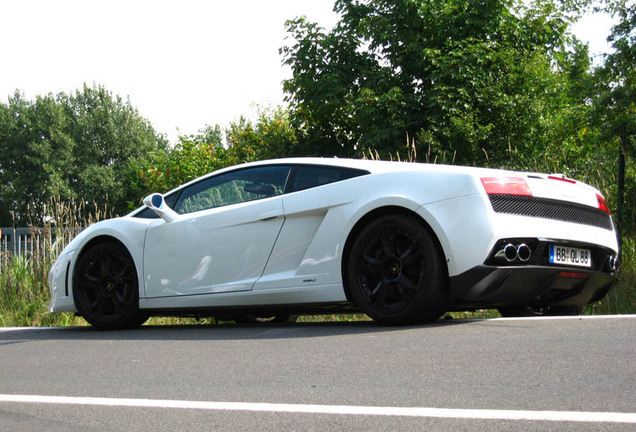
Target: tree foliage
191, 157
614, 103
470, 79
76, 146
616, 79
270, 136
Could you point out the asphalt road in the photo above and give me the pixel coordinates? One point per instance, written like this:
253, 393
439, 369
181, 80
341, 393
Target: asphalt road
451, 375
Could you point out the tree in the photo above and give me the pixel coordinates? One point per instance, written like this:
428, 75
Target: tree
191, 157
270, 136
615, 102
472, 80
76, 146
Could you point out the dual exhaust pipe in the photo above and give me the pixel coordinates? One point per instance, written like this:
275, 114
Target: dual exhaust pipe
512, 253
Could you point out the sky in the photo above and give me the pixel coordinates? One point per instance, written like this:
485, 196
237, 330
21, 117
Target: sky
183, 64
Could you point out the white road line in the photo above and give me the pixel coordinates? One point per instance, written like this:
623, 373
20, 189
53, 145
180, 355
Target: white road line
451, 413
562, 318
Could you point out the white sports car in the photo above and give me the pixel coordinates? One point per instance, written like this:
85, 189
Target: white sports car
401, 242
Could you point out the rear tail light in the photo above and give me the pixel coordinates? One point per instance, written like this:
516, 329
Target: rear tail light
506, 186
602, 204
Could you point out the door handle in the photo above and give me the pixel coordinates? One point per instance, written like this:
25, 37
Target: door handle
270, 215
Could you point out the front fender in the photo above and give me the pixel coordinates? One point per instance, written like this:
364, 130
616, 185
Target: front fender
128, 231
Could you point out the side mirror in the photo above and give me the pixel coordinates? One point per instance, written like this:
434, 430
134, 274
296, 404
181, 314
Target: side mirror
159, 206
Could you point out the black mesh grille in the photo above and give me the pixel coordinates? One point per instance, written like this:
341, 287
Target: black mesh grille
550, 209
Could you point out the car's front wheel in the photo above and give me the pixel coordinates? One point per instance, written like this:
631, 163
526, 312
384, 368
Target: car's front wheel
396, 272
106, 288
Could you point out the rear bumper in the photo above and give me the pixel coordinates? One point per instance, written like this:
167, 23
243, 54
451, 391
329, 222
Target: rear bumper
539, 286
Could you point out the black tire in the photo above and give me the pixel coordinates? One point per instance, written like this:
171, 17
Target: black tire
396, 273
106, 288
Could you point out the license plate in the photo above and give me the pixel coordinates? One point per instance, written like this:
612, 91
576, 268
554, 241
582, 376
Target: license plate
570, 256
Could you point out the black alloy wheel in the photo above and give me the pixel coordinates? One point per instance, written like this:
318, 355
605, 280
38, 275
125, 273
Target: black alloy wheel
396, 273
106, 288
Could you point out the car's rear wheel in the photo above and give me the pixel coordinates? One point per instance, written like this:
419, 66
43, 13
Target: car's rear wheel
396, 272
106, 288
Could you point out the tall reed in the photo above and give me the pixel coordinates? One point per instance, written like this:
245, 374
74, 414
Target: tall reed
24, 292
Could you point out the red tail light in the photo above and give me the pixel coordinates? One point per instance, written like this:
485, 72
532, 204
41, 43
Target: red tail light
506, 186
602, 204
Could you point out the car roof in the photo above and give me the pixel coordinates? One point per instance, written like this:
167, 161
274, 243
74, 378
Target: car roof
372, 166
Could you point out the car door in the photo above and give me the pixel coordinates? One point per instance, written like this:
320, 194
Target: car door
306, 251
223, 238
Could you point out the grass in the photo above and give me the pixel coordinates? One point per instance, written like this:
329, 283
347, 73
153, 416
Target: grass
159, 321
24, 294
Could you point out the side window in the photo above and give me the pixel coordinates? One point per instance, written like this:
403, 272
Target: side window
310, 176
233, 187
